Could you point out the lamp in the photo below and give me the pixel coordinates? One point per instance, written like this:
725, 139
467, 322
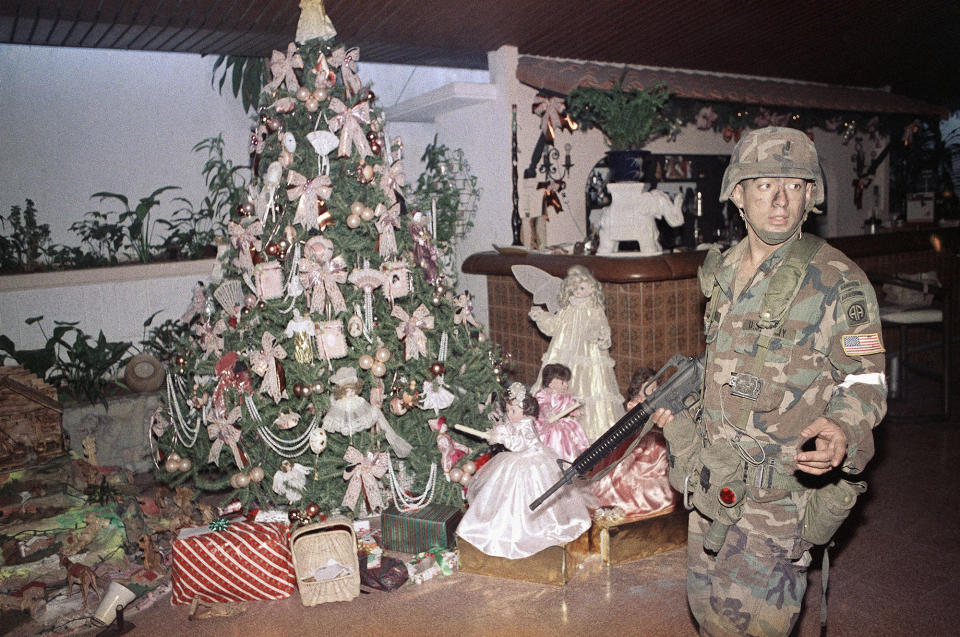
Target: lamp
111, 608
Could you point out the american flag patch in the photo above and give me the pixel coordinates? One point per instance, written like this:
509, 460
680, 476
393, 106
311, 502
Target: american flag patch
862, 344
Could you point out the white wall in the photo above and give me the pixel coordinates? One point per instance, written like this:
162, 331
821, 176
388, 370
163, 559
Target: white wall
77, 121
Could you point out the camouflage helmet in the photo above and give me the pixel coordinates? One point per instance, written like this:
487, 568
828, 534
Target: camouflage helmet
775, 152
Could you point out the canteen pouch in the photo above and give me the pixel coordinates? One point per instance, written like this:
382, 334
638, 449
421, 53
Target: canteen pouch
827, 508
720, 469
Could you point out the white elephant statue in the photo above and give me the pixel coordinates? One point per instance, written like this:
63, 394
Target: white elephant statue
632, 215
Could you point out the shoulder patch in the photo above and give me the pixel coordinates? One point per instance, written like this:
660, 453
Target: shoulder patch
853, 302
862, 344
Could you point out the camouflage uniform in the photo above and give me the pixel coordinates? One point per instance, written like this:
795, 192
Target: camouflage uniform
825, 358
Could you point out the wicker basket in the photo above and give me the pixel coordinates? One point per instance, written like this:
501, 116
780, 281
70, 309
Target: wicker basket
313, 545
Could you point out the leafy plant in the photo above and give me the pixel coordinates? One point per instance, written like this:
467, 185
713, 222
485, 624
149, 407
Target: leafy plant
447, 180
628, 118
28, 242
192, 230
81, 366
135, 224
164, 340
248, 77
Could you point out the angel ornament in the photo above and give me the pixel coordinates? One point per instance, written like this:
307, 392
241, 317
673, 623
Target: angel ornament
290, 480
350, 413
579, 333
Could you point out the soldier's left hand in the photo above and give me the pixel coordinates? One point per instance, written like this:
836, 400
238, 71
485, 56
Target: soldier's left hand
830, 443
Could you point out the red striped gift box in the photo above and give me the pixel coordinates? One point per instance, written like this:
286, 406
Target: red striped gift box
247, 561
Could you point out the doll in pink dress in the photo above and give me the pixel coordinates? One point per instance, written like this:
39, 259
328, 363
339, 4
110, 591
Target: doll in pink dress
557, 423
498, 520
639, 486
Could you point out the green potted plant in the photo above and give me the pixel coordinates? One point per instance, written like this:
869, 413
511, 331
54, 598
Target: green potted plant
628, 119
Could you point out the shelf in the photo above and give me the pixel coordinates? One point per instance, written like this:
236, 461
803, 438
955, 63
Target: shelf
446, 99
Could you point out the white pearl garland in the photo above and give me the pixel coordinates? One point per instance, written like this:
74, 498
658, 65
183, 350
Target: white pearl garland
182, 430
288, 448
407, 503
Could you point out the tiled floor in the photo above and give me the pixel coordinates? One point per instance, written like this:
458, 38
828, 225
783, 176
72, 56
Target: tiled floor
893, 573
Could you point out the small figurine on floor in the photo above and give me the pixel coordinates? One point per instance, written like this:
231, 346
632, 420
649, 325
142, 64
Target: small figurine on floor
152, 559
639, 484
84, 577
499, 521
557, 425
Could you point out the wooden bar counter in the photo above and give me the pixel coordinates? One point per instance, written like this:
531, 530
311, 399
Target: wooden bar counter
654, 304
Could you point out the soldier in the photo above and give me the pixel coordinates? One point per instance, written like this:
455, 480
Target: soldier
794, 385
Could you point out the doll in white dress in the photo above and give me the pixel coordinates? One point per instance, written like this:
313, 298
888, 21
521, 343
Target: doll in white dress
498, 520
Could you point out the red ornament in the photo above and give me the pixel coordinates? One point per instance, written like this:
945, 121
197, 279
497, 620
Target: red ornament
273, 249
437, 368
294, 515
312, 509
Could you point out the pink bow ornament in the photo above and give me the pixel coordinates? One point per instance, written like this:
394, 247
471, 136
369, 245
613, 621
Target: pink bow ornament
211, 337
246, 239
282, 67
363, 475
266, 363
550, 109
347, 61
321, 275
350, 123
410, 330
308, 191
392, 179
222, 432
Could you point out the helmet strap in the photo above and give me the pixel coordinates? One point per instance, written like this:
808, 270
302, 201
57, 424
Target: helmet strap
774, 238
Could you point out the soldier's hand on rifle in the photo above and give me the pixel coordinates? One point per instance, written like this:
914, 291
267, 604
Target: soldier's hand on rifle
830, 443
662, 417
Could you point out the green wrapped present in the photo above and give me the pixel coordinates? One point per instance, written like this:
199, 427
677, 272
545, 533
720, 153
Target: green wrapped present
416, 531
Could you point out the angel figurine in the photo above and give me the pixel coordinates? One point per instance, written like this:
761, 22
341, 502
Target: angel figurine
579, 333
499, 521
350, 413
290, 480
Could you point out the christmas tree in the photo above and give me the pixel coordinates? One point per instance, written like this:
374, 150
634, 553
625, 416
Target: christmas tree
328, 360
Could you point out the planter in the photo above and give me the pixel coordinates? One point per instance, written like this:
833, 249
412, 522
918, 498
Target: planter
115, 299
121, 432
626, 165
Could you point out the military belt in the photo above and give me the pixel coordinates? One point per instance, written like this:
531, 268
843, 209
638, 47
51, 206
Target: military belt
768, 475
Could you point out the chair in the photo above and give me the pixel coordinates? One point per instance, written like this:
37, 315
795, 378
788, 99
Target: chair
915, 309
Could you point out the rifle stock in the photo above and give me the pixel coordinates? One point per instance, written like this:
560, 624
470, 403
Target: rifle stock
676, 393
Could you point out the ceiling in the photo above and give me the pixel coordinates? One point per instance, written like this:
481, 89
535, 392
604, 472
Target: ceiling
911, 47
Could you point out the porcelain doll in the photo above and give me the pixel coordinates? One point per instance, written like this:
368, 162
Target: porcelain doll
639, 484
498, 520
580, 339
557, 425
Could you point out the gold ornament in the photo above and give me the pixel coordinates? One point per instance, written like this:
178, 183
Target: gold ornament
302, 350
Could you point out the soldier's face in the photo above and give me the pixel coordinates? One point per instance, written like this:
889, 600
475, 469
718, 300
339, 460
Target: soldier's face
773, 204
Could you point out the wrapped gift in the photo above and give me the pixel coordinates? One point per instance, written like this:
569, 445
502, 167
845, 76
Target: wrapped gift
625, 539
554, 565
416, 531
246, 561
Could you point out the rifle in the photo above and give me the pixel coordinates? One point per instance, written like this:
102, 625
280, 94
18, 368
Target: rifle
678, 392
